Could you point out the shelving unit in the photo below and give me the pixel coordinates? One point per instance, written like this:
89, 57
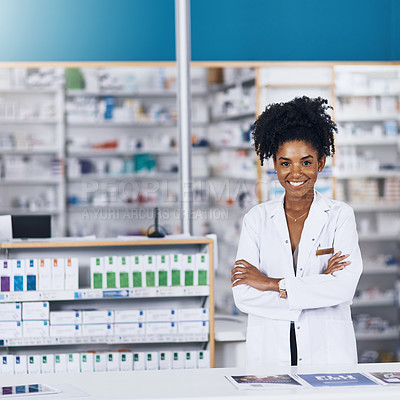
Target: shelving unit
179, 297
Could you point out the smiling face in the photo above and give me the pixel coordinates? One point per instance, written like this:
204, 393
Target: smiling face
297, 165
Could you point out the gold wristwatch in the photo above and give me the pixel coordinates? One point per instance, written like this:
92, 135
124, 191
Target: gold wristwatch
282, 289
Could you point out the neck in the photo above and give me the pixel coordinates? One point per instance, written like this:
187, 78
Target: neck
298, 204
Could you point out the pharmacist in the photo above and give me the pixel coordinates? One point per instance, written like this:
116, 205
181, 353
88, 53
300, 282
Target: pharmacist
298, 260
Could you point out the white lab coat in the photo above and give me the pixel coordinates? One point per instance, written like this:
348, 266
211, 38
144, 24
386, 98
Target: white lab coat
318, 304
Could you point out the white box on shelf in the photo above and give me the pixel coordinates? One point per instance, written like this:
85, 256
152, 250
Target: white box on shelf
150, 269
112, 361
139, 361
178, 360
203, 359
73, 363
100, 362
71, 273
176, 265
97, 274
69, 317
111, 268
126, 361
33, 361
193, 327
47, 363
161, 328
57, 274
190, 272
87, 362
20, 366
44, 272
202, 267
190, 359
161, 315
97, 329
7, 364
35, 310
65, 330
124, 276
193, 314
137, 271
18, 275
151, 360
130, 329
5, 275
97, 316
35, 328
10, 311
60, 363
128, 316
165, 360
10, 329
163, 270
31, 271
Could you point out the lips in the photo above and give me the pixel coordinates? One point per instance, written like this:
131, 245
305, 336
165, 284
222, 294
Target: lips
297, 184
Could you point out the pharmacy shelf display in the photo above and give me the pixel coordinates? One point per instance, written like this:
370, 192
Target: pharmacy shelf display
141, 298
32, 144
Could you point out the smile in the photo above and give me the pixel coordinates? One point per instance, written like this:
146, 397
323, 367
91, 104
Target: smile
297, 184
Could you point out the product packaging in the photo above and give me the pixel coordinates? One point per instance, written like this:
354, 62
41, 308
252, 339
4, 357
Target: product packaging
126, 361
202, 267
112, 361
139, 361
71, 273
5, 275
100, 362
60, 363
137, 271
149, 266
176, 265
58, 274
73, 363
165, 360
87, 362
178, 358
35, 329
33, 364
124, 272
151, 360
35, 310
47, 363
18, 275
31, 270
7, 364
163, 270
10, 312
20, 366
203, 359
97, 274
110, 266
189, 264
190, 359
44, 269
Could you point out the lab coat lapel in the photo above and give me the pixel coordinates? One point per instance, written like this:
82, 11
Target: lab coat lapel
314, 224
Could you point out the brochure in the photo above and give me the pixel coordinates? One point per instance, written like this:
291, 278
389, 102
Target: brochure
263, 381
32, 389
387, 378
337, 380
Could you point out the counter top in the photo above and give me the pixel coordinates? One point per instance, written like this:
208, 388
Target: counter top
205, 384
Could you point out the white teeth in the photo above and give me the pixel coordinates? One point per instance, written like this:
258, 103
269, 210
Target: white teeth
296, 183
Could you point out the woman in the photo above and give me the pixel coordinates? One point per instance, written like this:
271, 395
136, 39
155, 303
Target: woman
298, 260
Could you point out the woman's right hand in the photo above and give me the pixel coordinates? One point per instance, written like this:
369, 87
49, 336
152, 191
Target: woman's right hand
336, 263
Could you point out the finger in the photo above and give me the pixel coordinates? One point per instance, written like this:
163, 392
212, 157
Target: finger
243, 262
238, 270
238, 282
237, 276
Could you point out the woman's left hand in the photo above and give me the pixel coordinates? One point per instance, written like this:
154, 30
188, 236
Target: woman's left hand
246, 274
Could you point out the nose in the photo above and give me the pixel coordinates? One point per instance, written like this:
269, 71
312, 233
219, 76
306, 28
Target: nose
296, 170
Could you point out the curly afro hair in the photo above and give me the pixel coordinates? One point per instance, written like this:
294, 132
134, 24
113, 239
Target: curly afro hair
302, 119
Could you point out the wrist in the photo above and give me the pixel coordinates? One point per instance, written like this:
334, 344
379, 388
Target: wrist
282, 289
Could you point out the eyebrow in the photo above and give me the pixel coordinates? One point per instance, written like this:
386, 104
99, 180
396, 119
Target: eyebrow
303, 158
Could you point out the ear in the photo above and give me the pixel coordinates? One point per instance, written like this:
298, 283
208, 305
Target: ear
321, 163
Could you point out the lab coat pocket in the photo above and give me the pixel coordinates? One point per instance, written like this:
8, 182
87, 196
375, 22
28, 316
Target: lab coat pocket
341, 342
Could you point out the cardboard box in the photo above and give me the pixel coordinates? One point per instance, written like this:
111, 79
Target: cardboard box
112, 361
193, 327
193, 314
10, 329
150, 267
57, 274
176, 265
44, 272
31, 270
5, 275
65, 330
178, 358
97, 316
130, 329
100, 362
71, 273
124, 272
161, 315
163, 270
203, 359
87, 362
35, 310
161, 328
137, 271
18, 275
202, 267
33, 362
10, 312
190, 361
128, 316
111, 266
7, 364
20, 365
47, 363
65, 317
60, 363
126, 361
73, 363
189, 265
97, 329
97, 273
139, 361
151, 360
35, 329
165, 360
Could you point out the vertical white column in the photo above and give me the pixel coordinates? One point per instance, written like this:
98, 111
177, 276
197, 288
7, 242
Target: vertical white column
182, 42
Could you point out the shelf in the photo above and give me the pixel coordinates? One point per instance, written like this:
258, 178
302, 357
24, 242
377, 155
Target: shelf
384, 302
173, 205
372, 237
124, 177
368, 141
381, 270
366, 117
95, 294
29, 152
391, 334
297, 85
19, 211
235, 178
375, 207
32, 90
112, 124
221, 147
51, 341
221, 87
44, 181
118, 153
35, 121
131, 94
366, 93
366, 174
222, 118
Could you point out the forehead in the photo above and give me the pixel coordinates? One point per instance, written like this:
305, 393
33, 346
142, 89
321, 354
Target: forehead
296, 149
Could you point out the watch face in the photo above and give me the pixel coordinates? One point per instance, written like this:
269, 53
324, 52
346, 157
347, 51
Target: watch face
282, 284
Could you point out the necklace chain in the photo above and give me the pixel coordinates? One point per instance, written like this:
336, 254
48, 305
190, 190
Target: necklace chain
295, 219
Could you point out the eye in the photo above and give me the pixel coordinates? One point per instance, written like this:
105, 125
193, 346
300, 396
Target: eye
307, 162
284, 164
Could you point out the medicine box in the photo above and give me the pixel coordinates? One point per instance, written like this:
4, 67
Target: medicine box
65, 317
65, 330
163, 270
97, 274
112, 361
202, 267
87, 362
110, 267
193, 314
71, 273
60, 363
10, 311
7, 364
20, 366
126, 361
47, 363
97, 329
97, 316
130, 329
125, 316
139, 361
100, 362
35, 329
161, 328
190, 360
10, 329
18, 275
193, 327
165, 360
35, 310
73, 363
203, 359
178, 360
5, 275
176, 266
31, 270
161, 315
33, 362
149, 267
137, 271
189, 265
57, 274
151, 360
44, 275
124, 276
